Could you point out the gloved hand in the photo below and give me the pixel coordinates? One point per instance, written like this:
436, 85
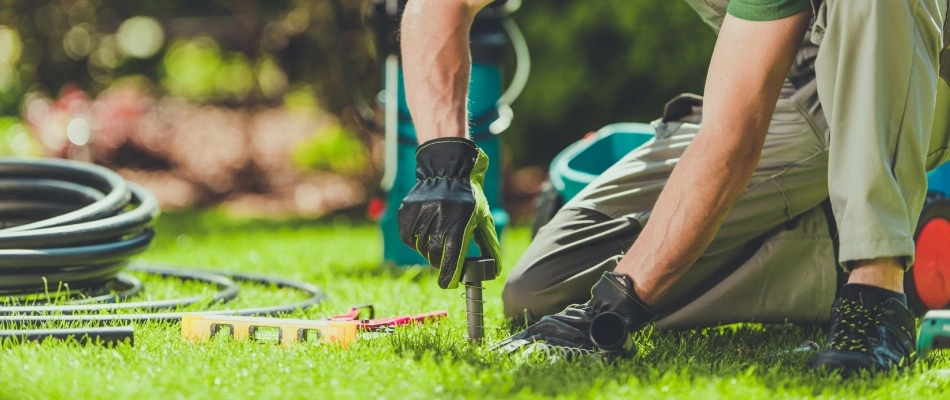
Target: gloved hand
447, 207
569, 330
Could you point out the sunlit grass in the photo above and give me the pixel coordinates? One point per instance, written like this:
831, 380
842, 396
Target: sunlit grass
341, 256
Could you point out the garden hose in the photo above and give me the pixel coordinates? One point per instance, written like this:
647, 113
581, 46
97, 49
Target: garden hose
104, 336
68, 222
227, 290
72, 225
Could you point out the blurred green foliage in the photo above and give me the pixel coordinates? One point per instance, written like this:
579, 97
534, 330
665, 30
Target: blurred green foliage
198, 69
594, 63
600, 62
333, 150
234, 52
190, 68
14, 139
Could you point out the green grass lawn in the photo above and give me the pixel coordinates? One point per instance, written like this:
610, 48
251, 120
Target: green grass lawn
432, 361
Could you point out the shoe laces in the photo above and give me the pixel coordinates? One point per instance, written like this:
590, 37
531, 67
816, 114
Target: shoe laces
854, 321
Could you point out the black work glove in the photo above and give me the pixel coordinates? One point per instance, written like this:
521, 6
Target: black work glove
447, 207
569, 330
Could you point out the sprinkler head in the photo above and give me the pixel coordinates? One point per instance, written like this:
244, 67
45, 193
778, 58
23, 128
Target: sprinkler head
476, 270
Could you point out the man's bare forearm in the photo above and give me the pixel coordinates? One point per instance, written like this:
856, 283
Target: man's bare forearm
437, 64
745, 76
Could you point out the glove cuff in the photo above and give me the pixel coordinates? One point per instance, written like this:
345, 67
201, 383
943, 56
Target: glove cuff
451, 157
447, 141
609, 294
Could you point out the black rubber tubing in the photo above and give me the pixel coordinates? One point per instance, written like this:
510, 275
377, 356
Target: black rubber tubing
109, 221
123, 288
104, 336
227, 291
40, 316
77, 224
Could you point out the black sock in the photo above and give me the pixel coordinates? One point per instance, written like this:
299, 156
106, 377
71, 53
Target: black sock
870, 295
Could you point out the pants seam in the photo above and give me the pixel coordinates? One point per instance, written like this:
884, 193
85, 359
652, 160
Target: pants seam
797, 163
819, 133
900, 130
589, 205
788, 168
909, 80
788, 203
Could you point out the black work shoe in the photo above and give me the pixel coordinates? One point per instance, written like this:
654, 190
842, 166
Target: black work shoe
868, 335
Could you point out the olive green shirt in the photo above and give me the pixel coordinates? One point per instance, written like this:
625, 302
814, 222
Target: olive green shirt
766, 10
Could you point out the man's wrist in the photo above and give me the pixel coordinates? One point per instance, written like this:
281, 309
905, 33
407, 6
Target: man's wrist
640, 290
427, 137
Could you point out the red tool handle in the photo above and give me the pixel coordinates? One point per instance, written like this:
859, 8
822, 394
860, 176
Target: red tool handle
374, 324
354, 313
371, 324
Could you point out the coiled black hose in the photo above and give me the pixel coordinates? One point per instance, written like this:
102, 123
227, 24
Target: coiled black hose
70, 223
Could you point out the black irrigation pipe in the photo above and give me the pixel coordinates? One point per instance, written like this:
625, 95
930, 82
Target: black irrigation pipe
227, 291
124, 287
29, 316
102, 336
75, 225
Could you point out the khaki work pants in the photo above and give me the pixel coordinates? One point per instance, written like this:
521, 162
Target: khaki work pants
854, 163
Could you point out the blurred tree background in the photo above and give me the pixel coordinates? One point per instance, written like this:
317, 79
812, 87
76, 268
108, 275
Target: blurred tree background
600, 62
240, 101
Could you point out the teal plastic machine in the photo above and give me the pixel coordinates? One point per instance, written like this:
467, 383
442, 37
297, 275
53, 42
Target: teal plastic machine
577, 165
491, 35
580, 163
